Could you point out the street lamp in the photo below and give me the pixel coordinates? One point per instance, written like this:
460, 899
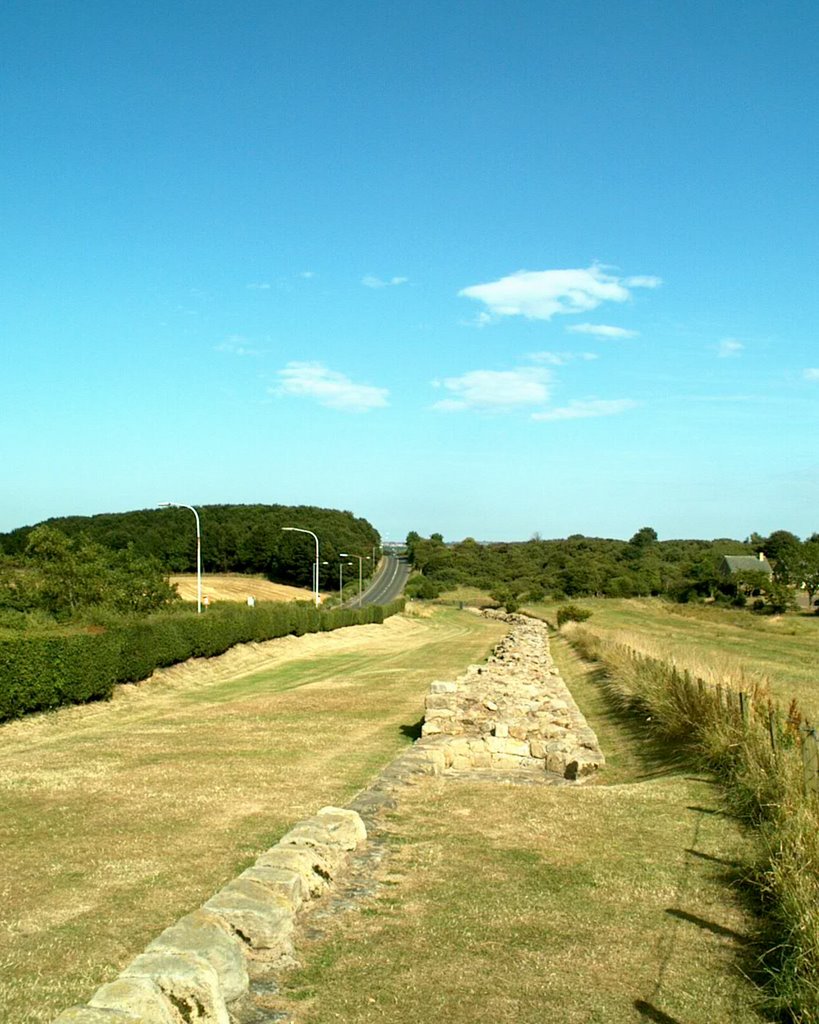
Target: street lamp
360, 570
341, 580
179, 504
298, 529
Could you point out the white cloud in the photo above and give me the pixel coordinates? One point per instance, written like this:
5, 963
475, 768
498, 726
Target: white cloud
729, 347
329, 388
540, 294
495, 390
812, 373
602, 331
645, 281
371, 281
307, 274
561, 358
578, 409
237, 345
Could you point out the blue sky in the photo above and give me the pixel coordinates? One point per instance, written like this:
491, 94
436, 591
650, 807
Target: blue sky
478, 268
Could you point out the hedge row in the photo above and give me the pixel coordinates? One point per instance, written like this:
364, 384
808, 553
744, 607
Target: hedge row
43, 671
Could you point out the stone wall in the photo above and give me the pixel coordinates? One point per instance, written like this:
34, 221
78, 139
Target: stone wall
202, 965
514, 711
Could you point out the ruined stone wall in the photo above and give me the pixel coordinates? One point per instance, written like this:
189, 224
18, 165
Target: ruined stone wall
514, 711
199, 970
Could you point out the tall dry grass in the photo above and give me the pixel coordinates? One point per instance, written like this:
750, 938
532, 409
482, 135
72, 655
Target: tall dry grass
755, 747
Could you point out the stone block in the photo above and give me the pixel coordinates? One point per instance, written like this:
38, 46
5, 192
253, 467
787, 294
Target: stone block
481, 759
264, 926
501, 730
284, 882
556, 762
433, 728
440, 686
496, 744
344, 825
96, 1015
188, 982
307, 862
207, 937
537, 748
518, 748
140, 997
518, 732
447, 701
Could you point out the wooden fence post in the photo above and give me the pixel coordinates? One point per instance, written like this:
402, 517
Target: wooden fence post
810, 758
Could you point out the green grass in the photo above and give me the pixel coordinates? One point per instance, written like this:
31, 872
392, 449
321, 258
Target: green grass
709, 639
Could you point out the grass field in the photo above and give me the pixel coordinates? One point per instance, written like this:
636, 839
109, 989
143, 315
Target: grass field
237, 587
118, 818
713, 641
608, 904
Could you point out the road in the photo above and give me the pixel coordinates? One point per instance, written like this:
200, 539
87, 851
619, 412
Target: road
388, 584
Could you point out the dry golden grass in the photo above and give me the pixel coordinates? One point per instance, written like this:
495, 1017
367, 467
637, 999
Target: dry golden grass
522, 904
237, 587
118, 818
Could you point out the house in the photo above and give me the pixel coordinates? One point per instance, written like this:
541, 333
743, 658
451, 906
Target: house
732, 564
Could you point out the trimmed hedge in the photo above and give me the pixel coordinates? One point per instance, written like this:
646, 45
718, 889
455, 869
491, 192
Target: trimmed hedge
40, 671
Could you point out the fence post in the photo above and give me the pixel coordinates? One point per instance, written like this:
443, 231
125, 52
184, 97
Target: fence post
772, 728
744, 708
810, 758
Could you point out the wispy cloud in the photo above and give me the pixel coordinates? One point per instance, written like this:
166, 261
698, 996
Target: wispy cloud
541, 294
561, 358
329, 388
729, 347
371, 281
495, 390
259, 286
307, 274
237, 345
812, 373
602, 331
579, 409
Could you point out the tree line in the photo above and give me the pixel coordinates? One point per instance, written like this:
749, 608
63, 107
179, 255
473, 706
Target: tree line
579, 566
122, 560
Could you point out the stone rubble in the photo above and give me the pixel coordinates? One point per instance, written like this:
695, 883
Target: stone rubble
513, 711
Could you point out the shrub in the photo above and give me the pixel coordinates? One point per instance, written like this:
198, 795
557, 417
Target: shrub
423, 588
571, 613
39, 671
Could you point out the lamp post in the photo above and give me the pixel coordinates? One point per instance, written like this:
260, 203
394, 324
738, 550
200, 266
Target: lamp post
298, 529
360, 570
179, 504
341, 580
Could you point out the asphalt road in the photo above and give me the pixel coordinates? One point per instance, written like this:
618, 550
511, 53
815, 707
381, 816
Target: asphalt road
388, 584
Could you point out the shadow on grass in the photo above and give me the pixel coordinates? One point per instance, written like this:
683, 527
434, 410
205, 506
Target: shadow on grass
652, 756
413, 731
708, 926
734, 864
650, 1012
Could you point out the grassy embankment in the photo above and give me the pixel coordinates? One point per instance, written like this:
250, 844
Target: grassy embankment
715, 643
117, 818
756, 754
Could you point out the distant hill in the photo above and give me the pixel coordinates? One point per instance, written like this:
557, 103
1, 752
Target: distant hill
235, 538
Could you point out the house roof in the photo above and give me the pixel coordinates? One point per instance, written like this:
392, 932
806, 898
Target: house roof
747, 563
